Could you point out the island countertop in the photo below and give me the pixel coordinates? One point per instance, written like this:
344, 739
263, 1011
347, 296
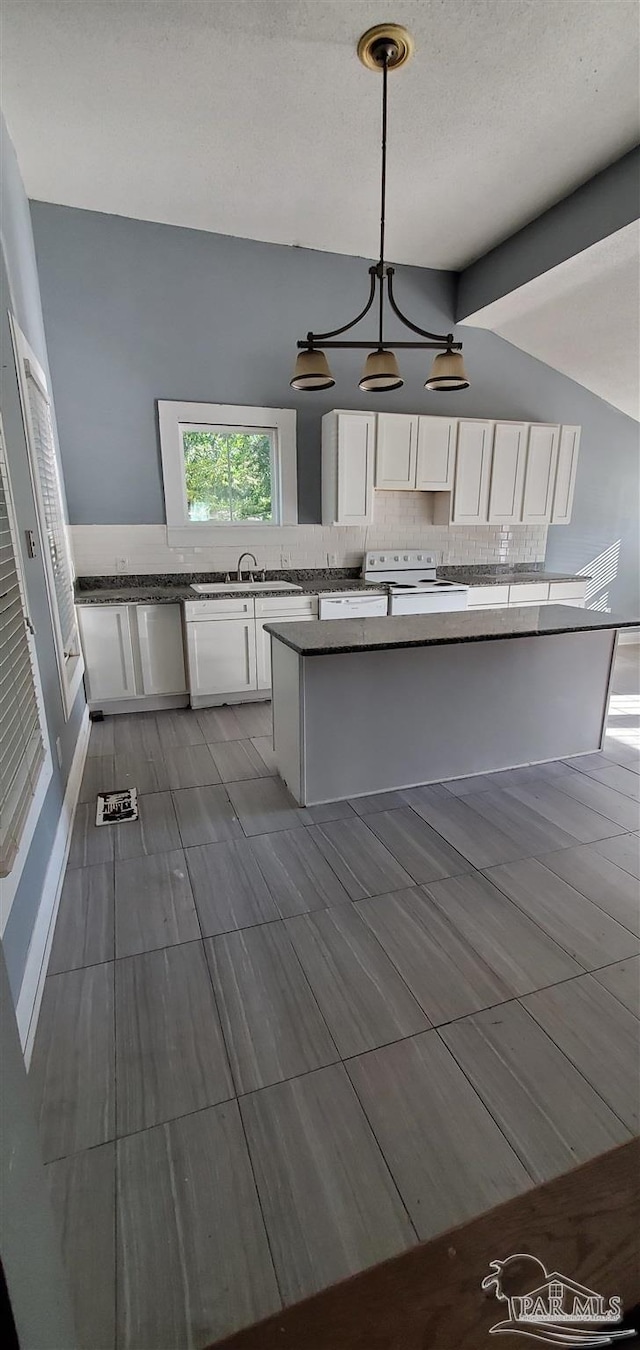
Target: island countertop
338, 636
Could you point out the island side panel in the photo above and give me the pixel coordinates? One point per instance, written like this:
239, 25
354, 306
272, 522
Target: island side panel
379, 720
287, 701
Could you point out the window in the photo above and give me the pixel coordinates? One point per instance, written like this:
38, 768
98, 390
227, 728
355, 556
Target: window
45, 476
226, 466
25, 761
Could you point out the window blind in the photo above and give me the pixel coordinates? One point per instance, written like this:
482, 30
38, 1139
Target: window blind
21, 741
45, 456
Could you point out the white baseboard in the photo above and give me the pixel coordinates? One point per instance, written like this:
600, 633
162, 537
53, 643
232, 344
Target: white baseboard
32, 988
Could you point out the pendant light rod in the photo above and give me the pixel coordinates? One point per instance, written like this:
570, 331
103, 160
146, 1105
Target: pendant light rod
440, 343
383, 191
382, 48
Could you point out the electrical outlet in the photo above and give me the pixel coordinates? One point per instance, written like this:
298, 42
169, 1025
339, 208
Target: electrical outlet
122, 564
59, 751
285, 560
332, 560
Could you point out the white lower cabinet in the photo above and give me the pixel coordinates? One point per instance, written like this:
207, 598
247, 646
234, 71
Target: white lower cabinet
222, 656
228, 651
263, 644
105, 632
131, 651
161, 649
529, 593
274, 609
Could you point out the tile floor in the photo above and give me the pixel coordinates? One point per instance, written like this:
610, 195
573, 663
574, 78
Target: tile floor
279, 1045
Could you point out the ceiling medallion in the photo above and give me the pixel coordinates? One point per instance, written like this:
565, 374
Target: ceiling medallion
386, 47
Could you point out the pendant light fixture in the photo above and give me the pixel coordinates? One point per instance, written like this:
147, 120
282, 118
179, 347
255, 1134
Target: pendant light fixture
383, 48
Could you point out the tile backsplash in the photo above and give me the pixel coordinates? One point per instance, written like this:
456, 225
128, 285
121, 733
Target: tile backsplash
401, 519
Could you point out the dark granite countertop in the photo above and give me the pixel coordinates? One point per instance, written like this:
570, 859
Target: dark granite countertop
336, 636
137, 593
172, 588
476, 577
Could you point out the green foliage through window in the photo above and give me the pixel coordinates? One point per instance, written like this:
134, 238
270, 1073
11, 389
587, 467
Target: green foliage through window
228, 475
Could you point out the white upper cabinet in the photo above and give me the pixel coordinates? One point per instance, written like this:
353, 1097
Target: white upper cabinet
507, 472
396, 451
540, 473
436, 459
497, 471
473, 472
348, 450
565, 475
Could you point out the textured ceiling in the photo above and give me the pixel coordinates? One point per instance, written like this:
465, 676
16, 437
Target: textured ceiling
582, 318
255, 118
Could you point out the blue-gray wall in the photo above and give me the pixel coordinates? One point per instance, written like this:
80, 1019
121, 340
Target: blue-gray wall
19, 293
136, 311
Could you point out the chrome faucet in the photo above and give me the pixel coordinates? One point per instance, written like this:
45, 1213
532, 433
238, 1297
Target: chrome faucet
240, 562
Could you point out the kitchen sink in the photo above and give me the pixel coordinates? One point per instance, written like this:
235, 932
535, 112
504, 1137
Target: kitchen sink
219, 587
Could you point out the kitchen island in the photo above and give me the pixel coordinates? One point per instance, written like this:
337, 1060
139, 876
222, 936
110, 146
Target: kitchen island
371, 705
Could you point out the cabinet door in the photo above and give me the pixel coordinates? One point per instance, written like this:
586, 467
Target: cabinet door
565, 475
108, 652
396, 451
161, 650
507, 471
356, 434
473, 468
540, 474
222, 656
263, 644
436, 453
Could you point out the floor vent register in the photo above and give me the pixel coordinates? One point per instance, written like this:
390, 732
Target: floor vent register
115, 808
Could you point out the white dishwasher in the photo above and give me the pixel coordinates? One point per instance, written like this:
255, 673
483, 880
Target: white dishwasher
352, 605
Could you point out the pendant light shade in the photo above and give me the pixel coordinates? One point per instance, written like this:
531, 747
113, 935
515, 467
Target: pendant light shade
381, 372
312, 371
447, 372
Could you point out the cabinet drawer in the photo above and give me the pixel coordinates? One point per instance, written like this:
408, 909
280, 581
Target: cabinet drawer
287, 605
567, 590
487, 596
218, 609
532, 592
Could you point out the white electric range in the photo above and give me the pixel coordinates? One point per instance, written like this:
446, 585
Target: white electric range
414, 587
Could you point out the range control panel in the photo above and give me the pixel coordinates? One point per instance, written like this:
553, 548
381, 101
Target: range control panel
404, 561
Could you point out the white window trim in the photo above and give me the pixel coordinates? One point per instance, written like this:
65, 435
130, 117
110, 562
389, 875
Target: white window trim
9, 884
70, 671
182, 532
